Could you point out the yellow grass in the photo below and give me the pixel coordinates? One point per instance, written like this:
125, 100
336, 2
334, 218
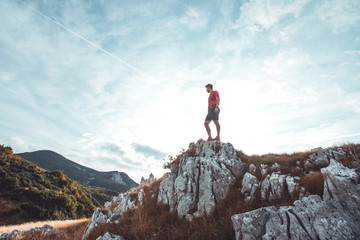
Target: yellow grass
30, 225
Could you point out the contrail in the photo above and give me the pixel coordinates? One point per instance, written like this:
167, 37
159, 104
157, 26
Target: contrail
86, 40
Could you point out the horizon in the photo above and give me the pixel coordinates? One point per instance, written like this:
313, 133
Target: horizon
119, 86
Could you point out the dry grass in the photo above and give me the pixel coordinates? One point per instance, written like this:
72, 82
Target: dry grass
313, 183
352, 155
287, 162
71, 230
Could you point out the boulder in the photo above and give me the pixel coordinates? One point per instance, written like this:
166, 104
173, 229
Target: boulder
252, 169
321, 159
336, 216
109, 236
150, 180
202, 178
273, 187
97, 217
249, 185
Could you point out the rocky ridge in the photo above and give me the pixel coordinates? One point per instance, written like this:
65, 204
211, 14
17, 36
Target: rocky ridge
334, 216
202, 176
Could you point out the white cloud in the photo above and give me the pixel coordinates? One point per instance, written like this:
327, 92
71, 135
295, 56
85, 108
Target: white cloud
340, 14
286, 61
18, 144
263, 14
194, 18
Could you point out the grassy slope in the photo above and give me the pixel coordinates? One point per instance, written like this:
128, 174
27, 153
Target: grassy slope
29, 193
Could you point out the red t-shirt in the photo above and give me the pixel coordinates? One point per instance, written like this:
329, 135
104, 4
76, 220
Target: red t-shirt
212, 99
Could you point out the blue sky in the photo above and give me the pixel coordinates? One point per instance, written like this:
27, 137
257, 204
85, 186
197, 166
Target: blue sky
288, 74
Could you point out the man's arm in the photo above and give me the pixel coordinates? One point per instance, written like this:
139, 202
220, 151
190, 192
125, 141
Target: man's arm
217, 101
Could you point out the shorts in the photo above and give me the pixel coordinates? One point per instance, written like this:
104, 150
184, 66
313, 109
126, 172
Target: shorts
212, 116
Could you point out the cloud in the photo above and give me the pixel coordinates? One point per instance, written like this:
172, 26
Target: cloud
194, 18
18, 144
257, 15
340, 14
113, 149
148, 151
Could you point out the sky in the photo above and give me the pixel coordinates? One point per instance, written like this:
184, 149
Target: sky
119, 85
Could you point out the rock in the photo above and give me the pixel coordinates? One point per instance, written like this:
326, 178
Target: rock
124, 203
336, 216
292, 186
273, 187
150, 180
252, 169
97, 217
141, 195
263, 169
109, 236
277, 188
202, 178
321, 159
41, 232
249, 185
107, 205
342, 192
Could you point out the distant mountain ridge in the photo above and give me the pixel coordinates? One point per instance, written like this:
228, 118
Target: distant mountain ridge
113, 181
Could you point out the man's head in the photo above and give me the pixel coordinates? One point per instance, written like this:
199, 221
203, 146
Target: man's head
209, 87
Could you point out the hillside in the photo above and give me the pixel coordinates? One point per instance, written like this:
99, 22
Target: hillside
115, 182
29, 193
216, 192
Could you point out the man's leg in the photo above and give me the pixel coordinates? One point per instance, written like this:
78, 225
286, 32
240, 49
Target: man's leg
208, 130
217, 124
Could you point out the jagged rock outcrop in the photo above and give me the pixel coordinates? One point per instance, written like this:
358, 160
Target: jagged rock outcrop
100, 216
202, 178
322, 158
109, 236
273, 187
44, 231
249, 186
203, 175
113, 210
150, 180
336, 216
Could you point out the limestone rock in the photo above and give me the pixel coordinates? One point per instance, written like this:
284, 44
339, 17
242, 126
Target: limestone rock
249, 185
202, 178
321, 159
273, 187
252, 169
97, 217
44, 231
150, 180
292, 185
109, 236
336, 216
342, 192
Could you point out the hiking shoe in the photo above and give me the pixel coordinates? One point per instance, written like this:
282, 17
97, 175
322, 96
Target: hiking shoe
216, 139
209, 139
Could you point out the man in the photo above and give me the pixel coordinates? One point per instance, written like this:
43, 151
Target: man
213, 112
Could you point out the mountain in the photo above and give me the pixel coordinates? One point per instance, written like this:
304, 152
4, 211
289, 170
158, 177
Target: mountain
216, 192
30, 193
114, 181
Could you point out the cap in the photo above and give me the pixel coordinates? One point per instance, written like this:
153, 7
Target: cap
209, 85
